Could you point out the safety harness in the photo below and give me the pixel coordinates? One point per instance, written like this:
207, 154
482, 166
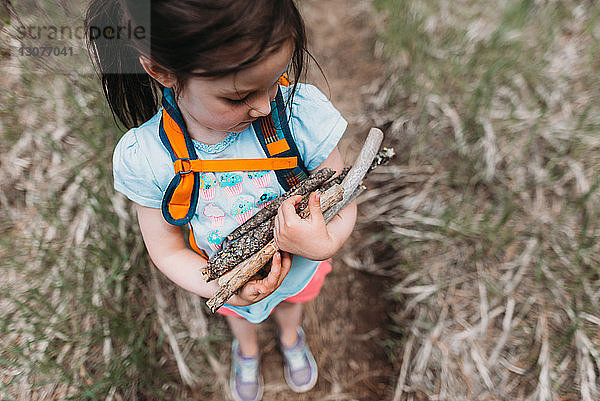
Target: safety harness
272, 131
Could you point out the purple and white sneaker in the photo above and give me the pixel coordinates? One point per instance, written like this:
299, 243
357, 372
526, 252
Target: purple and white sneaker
300, 368
245, 381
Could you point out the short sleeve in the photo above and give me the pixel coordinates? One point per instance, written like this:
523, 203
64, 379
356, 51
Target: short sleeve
132, 173
317, 125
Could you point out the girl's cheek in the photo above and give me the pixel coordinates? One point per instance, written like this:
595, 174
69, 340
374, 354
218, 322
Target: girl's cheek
226, 112
230, 118
273, 91
236, 115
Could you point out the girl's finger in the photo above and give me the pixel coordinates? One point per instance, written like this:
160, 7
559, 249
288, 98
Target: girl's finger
260, 289
251, 289
286, 260
286, 264
270, 282
287, 209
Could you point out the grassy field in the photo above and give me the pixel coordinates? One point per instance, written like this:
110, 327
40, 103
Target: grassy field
78, 308
81, 317
491, 213
487, 222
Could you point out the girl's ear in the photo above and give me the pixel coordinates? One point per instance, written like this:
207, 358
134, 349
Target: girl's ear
158, 73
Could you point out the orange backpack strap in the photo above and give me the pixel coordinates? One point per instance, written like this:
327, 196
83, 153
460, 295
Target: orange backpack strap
185, 166
181, 196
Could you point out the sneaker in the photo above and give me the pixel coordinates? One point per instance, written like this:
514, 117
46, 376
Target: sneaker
245, 380
300, 368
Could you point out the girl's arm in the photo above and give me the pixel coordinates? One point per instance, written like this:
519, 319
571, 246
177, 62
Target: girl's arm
310, 237
168, 251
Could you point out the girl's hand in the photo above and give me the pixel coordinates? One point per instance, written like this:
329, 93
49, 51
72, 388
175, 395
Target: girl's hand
255, 290
304, 237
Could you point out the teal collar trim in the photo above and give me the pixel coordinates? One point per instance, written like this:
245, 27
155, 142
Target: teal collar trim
217, 147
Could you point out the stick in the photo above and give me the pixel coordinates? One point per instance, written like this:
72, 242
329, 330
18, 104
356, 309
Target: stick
229, 257
243, 272
362, 164
240, 275
331, 212
335, 180
329, 198
305, 187
251, 240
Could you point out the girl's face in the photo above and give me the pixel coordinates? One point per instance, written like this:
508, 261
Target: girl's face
214, 107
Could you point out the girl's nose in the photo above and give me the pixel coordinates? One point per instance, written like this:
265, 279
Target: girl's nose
260, 105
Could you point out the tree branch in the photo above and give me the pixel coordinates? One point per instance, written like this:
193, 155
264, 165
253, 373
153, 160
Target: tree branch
240, 275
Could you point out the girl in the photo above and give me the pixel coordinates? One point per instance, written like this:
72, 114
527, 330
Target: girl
217, 65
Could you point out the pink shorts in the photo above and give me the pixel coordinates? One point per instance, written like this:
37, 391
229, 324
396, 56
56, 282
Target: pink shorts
310, 291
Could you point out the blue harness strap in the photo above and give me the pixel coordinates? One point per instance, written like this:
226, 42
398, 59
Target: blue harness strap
273, 133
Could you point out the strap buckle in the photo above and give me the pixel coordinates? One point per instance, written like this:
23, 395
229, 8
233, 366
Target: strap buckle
183, 166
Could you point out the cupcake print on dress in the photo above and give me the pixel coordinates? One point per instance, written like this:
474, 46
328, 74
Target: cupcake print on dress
241, 208
231, 183
260, 179
216, 215
214, 240
208, 186
266, 198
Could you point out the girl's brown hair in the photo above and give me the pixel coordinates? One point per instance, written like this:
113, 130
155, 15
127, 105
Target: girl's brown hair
216, 37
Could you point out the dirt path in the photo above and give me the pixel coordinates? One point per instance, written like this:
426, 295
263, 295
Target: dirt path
346, 323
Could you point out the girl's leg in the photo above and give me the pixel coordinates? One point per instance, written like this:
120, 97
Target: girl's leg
246, 334
300, 368
245, 381
288, 317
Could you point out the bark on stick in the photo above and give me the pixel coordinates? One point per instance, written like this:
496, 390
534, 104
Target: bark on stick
362, 164
255, 233
244, 271
305, 187
240, 275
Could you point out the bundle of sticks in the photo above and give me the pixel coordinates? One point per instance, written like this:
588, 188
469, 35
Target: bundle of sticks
247, 249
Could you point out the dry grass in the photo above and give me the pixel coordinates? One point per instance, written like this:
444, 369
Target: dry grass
81, 317
488, 222
491, 214
79, 308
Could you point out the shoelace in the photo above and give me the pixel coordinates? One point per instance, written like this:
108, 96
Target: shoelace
247, 370
295, 358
